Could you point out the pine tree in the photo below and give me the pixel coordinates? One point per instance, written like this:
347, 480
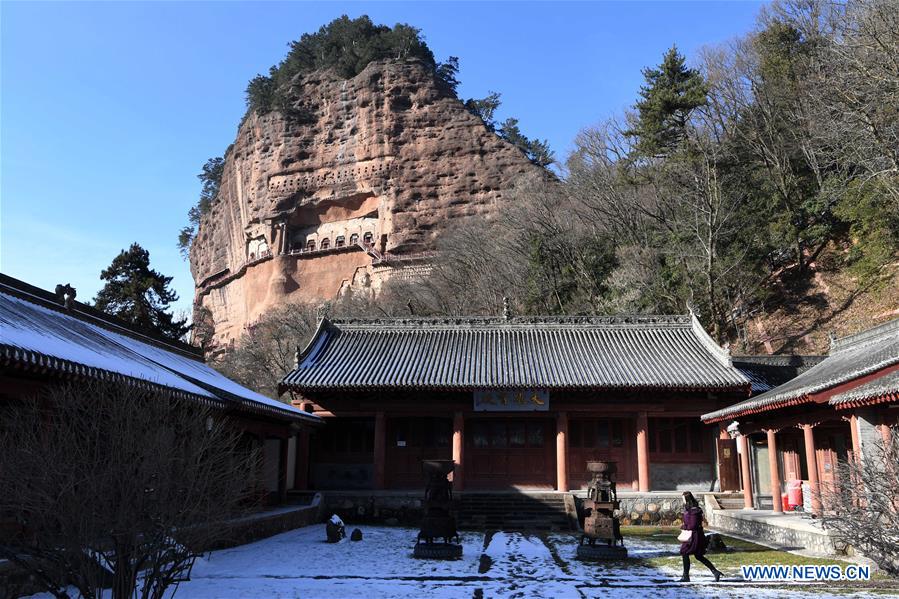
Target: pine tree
672, 91
448, 72
139, 295
485, 108
211, 178
536, 150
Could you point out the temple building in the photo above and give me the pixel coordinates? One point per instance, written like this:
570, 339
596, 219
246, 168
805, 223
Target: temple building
517, 403
47, 338
831, 412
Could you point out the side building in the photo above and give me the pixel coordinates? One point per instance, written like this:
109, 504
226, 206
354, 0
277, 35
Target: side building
836, 410
46, 339
519, 403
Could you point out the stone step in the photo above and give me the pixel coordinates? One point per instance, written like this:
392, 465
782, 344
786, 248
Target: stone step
509, 511
500, 512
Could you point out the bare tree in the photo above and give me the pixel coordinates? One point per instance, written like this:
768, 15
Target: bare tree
118, 487
863, 509
853, 87
267, 349
541, 253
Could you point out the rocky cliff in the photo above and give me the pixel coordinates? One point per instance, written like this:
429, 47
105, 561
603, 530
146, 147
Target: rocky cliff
347, 188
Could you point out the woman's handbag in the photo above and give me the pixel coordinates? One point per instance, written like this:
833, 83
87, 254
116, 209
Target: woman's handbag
685, 536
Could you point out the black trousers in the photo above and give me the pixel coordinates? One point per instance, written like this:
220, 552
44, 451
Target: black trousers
700, 558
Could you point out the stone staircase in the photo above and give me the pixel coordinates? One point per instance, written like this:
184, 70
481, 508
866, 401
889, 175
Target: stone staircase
534, 511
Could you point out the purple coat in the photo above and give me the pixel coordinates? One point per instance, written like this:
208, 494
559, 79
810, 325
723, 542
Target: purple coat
697, 543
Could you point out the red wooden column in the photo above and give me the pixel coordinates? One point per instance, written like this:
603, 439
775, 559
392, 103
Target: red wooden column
857, 488
562, 451
380, 473
458, 445
744, 469
812, 465
775, 471
642, 452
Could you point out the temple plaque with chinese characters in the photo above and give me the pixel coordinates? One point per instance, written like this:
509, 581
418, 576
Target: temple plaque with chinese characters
512, 400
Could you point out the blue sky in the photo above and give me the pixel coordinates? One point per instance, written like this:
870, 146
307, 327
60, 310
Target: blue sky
108, 110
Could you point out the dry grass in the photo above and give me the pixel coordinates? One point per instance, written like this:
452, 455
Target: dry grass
741, 553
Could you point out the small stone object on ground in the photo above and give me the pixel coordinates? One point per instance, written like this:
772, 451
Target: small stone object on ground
335, 529
716, 543
356, 535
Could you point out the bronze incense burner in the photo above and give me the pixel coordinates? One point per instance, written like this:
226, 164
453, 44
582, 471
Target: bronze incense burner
438, 521
600, 522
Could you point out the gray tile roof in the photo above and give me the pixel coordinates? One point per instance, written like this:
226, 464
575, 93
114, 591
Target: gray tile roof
767, 372
884, 388
568, 352
38, 335
849, 358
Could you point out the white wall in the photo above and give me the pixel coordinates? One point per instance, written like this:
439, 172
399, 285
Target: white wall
291, 462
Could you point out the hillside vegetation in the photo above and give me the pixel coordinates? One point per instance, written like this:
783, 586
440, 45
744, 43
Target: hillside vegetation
758, 184
738, 186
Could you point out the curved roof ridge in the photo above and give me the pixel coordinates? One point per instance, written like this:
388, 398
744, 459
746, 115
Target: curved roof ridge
635, 320
720, 353
872, 335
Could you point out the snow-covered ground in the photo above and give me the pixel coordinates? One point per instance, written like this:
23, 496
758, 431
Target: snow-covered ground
300, 563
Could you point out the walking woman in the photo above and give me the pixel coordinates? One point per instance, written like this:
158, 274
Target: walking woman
692, 538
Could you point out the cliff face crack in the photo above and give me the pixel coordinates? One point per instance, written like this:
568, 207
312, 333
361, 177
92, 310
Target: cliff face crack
312, 193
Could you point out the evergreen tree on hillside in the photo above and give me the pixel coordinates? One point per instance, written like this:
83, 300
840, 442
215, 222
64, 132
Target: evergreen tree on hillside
485, 108
777, 131
346, 46
448, 72
537, 151
211, 177
139, 295
671, 93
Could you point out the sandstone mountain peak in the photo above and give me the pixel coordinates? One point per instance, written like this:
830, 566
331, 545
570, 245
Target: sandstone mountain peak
345, 185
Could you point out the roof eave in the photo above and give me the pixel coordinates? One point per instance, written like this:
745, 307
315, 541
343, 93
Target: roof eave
39, 363
718, 416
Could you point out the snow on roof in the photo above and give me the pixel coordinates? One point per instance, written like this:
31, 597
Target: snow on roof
36, 333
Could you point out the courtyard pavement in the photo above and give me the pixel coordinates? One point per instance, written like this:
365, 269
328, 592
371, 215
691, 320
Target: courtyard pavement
300, 563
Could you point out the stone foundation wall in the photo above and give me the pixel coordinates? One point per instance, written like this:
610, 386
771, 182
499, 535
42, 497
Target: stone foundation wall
383, 508
783, 534
269, 523
659, 508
